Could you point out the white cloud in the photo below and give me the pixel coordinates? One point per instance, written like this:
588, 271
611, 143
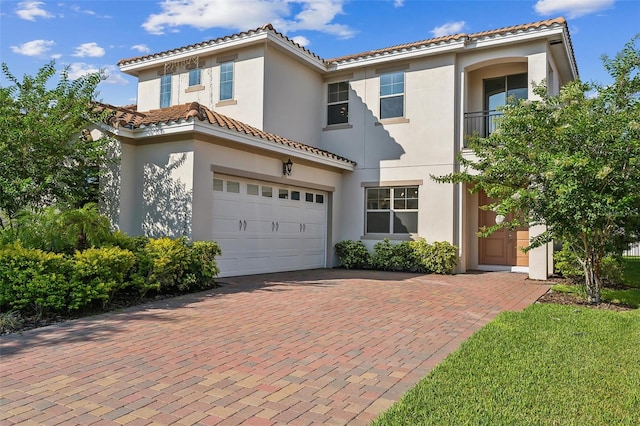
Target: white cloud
315, 15
33, 47
114, 76
85, 11
30, 10
301, 40
398, 3
79, 69
571, 8
449, 28
89, 49
142, 48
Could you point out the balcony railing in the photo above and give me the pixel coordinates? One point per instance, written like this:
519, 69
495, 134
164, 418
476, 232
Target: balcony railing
482, 123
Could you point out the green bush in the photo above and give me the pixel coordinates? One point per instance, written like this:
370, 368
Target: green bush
127, 242
165, 261
31, 279
203, 267
567, 264
612, 270
440, 257
352, 254
393, 257
98, 273
60, 229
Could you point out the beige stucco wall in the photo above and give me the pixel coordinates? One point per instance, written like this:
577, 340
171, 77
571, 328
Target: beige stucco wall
166, 187
392, 152
156, 191
248, 88
293, 94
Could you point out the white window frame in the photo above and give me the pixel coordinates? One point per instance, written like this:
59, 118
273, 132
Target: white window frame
165, 90
338, 102
194, 72
393, 94
391, 209
225, 74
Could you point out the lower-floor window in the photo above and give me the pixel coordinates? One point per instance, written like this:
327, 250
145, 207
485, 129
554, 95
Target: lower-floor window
392, 210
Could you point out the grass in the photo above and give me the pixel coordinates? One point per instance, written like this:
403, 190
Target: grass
629, 297
550, 364
632, 271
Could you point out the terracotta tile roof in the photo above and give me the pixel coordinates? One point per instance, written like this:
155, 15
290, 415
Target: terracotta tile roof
123, 117
262, 29
451, 38
372, 53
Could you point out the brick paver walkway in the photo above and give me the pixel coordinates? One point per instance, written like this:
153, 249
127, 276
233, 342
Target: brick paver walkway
313, 347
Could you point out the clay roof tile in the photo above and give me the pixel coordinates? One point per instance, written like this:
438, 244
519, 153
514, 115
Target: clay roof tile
193, 111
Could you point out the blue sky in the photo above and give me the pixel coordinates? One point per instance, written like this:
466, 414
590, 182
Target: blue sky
92, 35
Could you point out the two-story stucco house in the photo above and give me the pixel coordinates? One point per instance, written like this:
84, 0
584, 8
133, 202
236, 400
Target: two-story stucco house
277, 154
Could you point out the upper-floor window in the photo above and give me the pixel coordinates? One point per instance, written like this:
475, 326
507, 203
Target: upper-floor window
165, 90
194, 77
338, 105
392, 210
226, 81
392, 95
498, 92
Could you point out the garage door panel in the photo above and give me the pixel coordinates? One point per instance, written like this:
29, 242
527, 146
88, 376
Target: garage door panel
261, 234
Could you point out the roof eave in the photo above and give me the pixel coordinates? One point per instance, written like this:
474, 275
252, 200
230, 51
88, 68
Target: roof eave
398, 56
155, 61
185, 126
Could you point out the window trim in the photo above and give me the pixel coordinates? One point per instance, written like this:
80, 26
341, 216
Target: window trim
193, 72
338, 102
232, 80
165, 90
392, 95
391, 210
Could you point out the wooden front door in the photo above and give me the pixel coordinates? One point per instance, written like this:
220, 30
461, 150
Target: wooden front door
503, 246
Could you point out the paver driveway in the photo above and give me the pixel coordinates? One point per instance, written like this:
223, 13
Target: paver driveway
322, 346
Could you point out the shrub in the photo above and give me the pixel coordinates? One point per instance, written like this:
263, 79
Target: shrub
34, 279
352, 254
203, 267
60, 229
393, 257
126, 242
164, 262
98, 273
440, 257
612, 270
567, 264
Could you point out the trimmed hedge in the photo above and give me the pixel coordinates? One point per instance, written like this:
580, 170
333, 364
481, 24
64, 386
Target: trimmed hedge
36, 281
440, 257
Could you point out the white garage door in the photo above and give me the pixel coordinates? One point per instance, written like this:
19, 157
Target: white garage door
266, 227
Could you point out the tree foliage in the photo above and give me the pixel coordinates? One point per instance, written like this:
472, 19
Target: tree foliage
571, 162
44, 157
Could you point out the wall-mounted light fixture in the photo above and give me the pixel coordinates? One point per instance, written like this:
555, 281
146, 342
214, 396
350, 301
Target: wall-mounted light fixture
286, 167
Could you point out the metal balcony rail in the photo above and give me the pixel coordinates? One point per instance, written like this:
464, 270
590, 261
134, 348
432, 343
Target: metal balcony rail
482, 123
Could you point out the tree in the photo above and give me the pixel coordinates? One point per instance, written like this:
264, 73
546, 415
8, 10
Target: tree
44, 158
570, 162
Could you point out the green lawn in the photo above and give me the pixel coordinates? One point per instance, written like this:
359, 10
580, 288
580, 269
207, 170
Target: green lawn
632, 271
629, 297
550, 364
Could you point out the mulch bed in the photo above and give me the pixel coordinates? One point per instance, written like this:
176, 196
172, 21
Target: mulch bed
562, 298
